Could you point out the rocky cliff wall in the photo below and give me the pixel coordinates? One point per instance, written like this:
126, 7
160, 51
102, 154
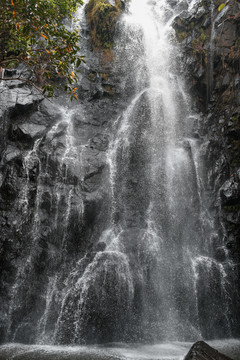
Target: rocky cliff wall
210, 39
53, 193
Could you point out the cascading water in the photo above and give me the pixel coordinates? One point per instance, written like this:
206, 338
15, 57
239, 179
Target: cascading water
151, 272
157, 240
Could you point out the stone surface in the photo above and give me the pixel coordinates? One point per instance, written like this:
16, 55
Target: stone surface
230, 192
214, 78
210, 42
53, 192
202, 351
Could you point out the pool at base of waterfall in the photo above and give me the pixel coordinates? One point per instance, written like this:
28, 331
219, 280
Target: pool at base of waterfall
164, 351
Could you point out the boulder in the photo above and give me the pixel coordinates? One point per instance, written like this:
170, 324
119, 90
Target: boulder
11, 153
202, 351
230, 192
27, 132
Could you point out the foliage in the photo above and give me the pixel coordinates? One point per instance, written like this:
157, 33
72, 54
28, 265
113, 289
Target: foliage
32, 32
102, 17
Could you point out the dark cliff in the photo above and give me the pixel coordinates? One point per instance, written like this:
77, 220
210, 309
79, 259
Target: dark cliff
52, 189
210, 39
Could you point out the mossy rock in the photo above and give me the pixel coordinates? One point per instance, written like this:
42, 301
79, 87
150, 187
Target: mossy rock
102, 18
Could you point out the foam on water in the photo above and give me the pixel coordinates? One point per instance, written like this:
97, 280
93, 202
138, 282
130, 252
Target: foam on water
163, 351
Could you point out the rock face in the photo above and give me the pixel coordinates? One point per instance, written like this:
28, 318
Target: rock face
52, 195
202, 351
210, 43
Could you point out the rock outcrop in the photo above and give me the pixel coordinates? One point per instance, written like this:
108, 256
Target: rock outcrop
202, 351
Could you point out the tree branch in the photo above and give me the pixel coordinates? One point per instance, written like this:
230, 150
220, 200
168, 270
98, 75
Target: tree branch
9, 60
24, 80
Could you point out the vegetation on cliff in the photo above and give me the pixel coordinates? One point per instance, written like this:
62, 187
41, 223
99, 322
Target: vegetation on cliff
102, 17
32, 32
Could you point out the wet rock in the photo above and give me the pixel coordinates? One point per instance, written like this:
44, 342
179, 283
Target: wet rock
12, 84
200, 72
55, 192
220, 254
10, 72
230, 192
46, 114
172, 3
11, 153
24, 334
106, 296
202, 351
228, 37
10, 183
237, 81
187, 42
99, 142
100, 246
209, 284
178, 24
201, 11
226, 80
207, 23
80, 120
214, 79
27, 132
182, 5
25, 99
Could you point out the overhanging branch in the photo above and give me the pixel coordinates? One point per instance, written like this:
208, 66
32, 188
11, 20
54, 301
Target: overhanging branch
24, 80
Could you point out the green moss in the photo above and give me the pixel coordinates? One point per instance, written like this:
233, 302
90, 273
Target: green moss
92, 76
109, 89
203, 36
231, 208
197, 46
181, 35
102, 18
104, 76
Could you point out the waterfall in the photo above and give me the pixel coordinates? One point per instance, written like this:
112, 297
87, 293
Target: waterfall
159, 223
149, 272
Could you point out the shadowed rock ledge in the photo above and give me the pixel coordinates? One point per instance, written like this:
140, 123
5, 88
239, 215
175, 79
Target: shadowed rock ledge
202, 351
